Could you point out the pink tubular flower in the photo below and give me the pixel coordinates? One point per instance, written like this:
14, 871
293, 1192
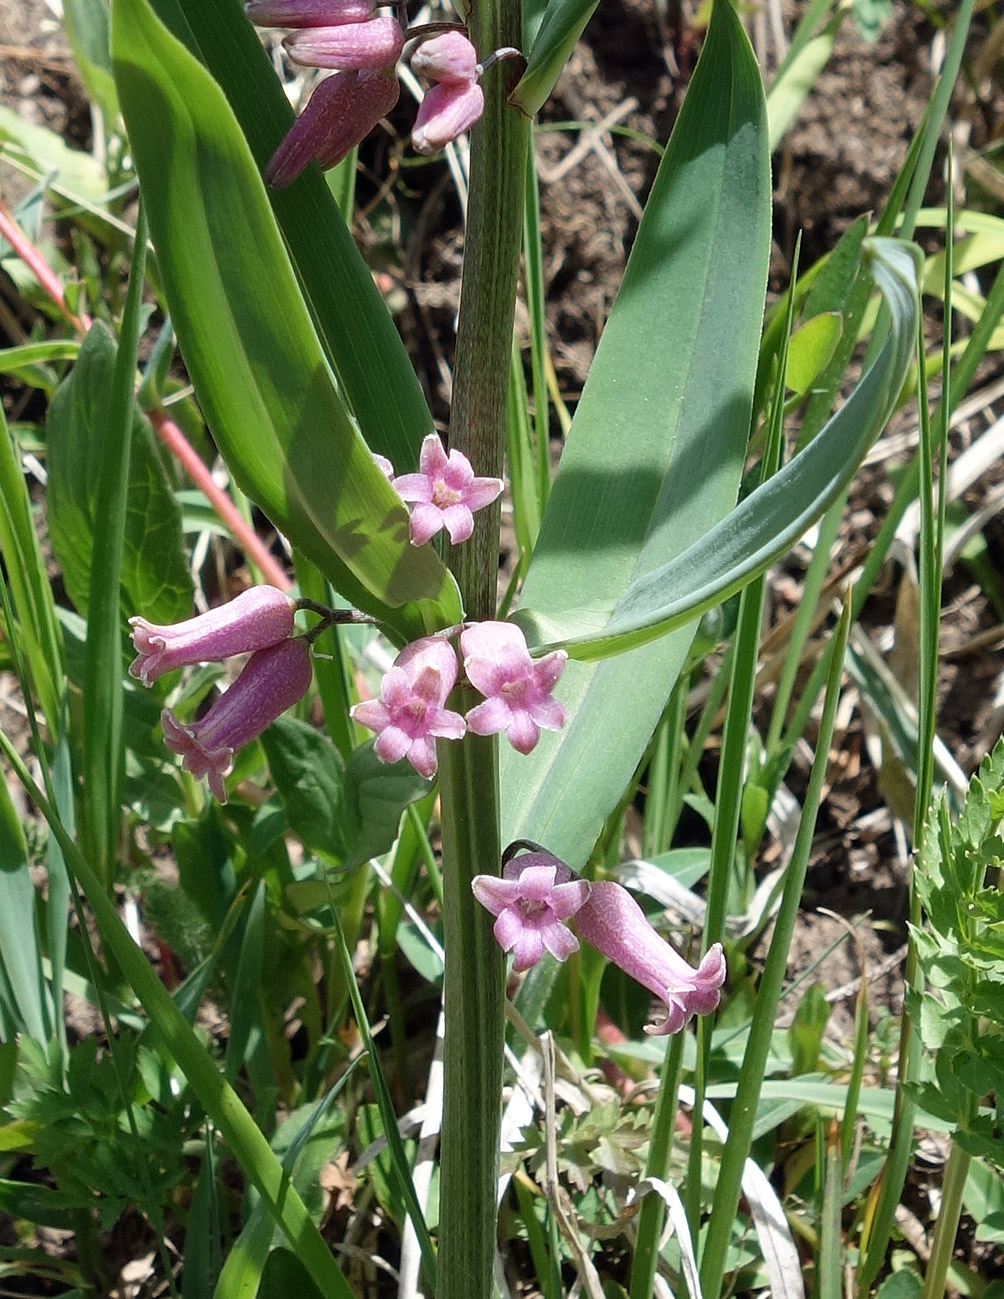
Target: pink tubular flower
342, 111
535, 895
449, 109
257, 618
373, 44
271, 681
450, 57
611, 921
444, 493
308, 13
409, 713
517, 689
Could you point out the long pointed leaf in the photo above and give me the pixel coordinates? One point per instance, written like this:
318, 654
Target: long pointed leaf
359, 337
657, 445
772, 518
248, 341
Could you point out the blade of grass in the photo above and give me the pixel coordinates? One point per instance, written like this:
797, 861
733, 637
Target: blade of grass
31, 593
932, 526
752, 1070
104, 755
399, 1158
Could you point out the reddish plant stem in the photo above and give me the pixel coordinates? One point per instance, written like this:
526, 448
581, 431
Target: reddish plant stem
199, 472
39, 267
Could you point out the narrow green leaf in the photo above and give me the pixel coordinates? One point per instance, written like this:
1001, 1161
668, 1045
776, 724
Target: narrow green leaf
771, 519
19, 954
154, 578
658, 441
359, 337
564, 22
104, 755
30, 591
248, 341
795, 80
86, 23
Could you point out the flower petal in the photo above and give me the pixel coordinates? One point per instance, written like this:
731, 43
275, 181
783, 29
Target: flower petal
489, 718
425, 522
459, 523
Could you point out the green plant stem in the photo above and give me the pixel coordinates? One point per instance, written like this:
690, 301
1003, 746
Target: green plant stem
104, 756
653, 1210
947, 1225
473, 987
751, 1073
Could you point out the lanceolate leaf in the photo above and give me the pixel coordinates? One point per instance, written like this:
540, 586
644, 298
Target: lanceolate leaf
248, 340
360, 340
564, 22
657, 445
155, 577
773, 517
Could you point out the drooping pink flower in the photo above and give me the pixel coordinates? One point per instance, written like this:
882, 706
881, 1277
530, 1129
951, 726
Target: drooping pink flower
533, 898
517, 688
449, 109
271, 681
308, 13
444, 493
611, 921
376, 43
449, 57
341, 112
409, 714
256, 618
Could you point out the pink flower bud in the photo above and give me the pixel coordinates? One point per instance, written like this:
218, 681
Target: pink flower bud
611, 921
257, 618
448, 110
534, 897
341, 112
409, 714
374, 44
308, 13
271, 681
450, 57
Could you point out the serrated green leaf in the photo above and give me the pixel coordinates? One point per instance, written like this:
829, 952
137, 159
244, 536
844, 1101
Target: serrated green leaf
155, 576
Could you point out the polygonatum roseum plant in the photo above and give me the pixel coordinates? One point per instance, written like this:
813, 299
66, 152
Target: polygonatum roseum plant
626, 519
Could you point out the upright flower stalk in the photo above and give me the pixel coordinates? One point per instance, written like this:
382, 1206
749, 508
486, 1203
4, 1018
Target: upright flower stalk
474, 975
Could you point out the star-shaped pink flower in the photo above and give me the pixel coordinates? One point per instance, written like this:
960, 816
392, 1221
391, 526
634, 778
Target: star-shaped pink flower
409, 714
517, 688
444, 493
532, 899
